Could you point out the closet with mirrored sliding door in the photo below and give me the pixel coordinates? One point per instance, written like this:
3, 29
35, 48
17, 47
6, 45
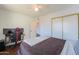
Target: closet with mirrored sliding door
65, 27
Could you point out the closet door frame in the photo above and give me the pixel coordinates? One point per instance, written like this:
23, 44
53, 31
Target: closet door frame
62, 23
52, 22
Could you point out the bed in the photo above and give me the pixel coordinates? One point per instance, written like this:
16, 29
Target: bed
49, 46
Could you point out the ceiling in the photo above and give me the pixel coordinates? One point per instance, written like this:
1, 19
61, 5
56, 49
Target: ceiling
29, 10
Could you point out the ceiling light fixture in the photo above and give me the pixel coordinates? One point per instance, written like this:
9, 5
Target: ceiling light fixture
36, 9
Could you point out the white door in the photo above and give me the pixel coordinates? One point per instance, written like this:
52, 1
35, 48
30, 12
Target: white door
57, 28
34, 26
70, 28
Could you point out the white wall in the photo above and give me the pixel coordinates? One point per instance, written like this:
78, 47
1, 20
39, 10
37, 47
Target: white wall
45, 26
45, 20
12, 20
